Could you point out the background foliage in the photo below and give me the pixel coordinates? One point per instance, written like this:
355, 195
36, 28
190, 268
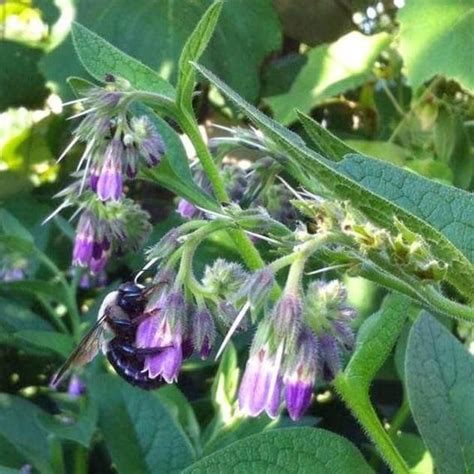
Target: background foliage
392, 83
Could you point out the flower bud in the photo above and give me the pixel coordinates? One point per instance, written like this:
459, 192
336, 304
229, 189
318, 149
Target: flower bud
204, 332
286, 318
227, 313
148, 140
330, 356
223, 278
258, 286
186, 209
166, 245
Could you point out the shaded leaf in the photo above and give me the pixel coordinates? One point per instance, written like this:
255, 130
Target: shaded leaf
19, 427
139, 431
433, 39
21, 83
328, 71
74, 427
414, 451
377, 336
440, 384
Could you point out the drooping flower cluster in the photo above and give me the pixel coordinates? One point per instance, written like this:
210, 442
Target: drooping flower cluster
116, 142
299, 340
104, 230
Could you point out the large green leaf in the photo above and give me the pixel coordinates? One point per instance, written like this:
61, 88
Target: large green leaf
21, 83
155, 31
372, 202
329, 70
440, 385
445, 208
434, 35
139, 431
291, 450
19, 426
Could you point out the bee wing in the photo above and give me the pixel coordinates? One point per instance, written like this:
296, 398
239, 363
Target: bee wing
84, 352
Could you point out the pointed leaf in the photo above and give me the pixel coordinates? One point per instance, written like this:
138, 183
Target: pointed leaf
192, 51
440, 385
375, 206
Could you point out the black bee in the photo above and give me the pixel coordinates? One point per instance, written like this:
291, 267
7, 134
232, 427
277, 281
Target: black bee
120, 313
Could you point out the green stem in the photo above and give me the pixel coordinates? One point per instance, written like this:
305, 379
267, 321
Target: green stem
400, 418
244, 245
357, 399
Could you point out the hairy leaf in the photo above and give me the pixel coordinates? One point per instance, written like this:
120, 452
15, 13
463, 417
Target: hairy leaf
155, 31
139, 431
289, 450
375, 205
440, 384
192, 51
100, 58
376, 338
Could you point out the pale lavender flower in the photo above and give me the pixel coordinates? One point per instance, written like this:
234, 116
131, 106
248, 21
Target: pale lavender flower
109, 182
260, 388
164, 329
84, 243
330, 356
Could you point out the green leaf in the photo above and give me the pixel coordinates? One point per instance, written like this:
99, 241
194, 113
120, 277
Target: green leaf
139, 431
19, 427
414, 451
433, 39
377, 336
369, 196
61, 344
192, 51
155, 32
329, 71
100, 58
290, 450
21, 83
385, 151
440, 383
181, 410
11, 226
445, 208
16, 317
442, 210
78, 427
452, 145
50, 291
164, 175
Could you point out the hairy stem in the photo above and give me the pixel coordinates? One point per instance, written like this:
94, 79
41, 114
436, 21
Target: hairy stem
244, 245
357, 399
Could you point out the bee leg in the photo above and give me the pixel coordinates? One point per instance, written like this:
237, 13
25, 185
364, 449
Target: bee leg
138, 351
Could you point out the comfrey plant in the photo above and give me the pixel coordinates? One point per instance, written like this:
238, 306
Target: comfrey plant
307, 214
